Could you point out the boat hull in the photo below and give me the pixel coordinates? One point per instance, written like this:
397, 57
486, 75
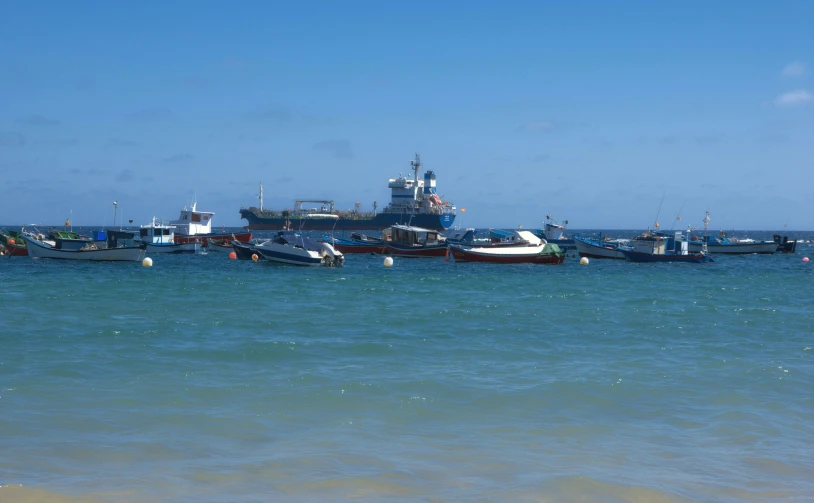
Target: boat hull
694, 258
506, 255
359, 248
243, 237
216, 246
762, 247
15, 250
37, 249
416, 251
191, 247
594, 249
245, 251
380, 221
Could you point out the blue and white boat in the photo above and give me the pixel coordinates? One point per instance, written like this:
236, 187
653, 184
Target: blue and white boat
289, 247
160, 238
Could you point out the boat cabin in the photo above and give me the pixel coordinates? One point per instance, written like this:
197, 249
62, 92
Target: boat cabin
157, 233
406, 235
661, 244
193, 222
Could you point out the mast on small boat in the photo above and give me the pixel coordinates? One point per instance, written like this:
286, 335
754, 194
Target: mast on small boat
706, 235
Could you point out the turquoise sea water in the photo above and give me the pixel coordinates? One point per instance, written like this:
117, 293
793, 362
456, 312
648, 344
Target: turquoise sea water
209, 380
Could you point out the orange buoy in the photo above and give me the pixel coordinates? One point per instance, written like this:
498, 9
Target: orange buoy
11, 241
232, 255
255, 257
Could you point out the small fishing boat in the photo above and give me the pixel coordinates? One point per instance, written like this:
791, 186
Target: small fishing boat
659, 247
536, 251
407, 241
600, 248
290, 247
38, 248
160, 238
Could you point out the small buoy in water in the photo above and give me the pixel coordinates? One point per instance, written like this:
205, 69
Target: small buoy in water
805, 260
584, 261
388, 261
232, 255
254, 257
147, 262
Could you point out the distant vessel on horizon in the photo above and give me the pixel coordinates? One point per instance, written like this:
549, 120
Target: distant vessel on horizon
413, 202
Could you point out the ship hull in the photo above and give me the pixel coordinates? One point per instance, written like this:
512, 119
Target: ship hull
377, 222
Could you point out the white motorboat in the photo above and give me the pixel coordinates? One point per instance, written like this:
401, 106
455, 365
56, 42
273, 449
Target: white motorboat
289, 247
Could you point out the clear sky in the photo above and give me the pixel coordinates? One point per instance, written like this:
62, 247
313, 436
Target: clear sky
592, 111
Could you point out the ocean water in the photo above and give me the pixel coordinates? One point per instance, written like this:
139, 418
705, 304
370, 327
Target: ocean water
209, 380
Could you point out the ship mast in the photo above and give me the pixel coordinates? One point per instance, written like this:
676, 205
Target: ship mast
261, 196
416, 165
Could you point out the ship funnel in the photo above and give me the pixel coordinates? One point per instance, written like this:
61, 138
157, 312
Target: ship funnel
429, 183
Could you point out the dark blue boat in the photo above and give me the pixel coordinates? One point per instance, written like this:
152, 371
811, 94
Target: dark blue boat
662, 247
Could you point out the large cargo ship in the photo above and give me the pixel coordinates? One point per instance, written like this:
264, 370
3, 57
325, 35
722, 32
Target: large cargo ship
413, 202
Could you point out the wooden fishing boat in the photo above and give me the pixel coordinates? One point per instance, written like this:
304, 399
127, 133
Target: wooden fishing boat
408, 241
39, 249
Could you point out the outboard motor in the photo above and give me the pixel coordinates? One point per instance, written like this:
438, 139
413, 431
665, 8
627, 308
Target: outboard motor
330, 255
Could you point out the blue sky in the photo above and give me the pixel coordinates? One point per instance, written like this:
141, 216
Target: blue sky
592, 111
